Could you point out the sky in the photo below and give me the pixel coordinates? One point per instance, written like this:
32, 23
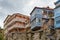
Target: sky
8, 7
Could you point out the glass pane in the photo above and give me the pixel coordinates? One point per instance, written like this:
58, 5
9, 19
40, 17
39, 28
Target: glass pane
57, 22
38, 20
50, 14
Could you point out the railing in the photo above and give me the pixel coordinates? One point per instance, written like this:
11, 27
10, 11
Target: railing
35, 16
16, 19
36, 25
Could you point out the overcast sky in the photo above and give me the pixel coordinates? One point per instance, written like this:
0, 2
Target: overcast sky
21, 6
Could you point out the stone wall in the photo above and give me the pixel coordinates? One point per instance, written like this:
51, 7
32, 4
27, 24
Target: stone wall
22, 36
37, 35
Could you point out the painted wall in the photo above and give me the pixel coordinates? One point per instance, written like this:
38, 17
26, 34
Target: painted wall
57, 17
37, 13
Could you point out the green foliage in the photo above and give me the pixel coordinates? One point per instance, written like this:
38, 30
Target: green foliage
1, 36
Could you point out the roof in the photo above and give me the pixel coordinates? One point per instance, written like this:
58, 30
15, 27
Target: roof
57, 7
47, 8
20, 14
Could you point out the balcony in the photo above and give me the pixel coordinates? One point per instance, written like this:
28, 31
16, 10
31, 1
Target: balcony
45, 16
16, 19
14, 26
36, 25
36, 16
32, 18
50, 14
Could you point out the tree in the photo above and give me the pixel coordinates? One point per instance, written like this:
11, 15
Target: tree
1, 34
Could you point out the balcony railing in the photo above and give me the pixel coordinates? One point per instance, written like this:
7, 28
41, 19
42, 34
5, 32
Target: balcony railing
36, 25
45, 16
14, 26
36, 16
16, 19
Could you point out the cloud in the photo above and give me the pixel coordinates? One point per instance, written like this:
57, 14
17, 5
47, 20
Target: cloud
39, 3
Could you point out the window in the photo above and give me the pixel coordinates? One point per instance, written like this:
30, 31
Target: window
38, 10
44, 12
57, 22
50, 14
33, 22
38, 20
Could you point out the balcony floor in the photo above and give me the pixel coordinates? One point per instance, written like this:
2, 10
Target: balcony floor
36, 28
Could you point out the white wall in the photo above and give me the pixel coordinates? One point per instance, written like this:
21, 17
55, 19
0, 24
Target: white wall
37, 11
